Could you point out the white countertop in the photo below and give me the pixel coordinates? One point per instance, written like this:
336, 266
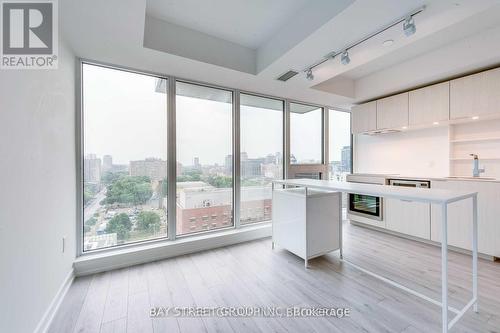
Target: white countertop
415, 194
453, 178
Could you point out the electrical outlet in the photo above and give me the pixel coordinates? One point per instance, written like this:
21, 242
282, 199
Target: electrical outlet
63, 243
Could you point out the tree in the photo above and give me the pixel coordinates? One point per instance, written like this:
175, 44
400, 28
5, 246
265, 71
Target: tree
148, 221
121, 225
190, 176
220, 181
91, 221
110, 177
164, 188
87, 196
129, 190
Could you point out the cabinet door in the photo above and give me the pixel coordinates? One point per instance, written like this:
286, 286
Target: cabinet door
430, 104
460, 216
407, 217
364, 117
475, 95
392, 112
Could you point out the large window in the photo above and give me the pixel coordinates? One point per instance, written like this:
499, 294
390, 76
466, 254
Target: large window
306, 133
125, 184
261, 158
339, 124
124, 163
204, 158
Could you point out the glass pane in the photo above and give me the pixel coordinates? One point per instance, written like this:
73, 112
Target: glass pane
261, 123
125, 151
306, 132
339, 144
339, 151
204, 160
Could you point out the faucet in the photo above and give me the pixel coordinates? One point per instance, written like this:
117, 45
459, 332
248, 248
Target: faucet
476, 171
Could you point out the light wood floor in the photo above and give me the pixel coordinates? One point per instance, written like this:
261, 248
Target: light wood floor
251, 274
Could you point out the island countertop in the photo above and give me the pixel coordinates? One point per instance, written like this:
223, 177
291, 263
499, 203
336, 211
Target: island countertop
437, 196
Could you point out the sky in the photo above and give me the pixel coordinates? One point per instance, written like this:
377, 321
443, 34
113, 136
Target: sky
124, 117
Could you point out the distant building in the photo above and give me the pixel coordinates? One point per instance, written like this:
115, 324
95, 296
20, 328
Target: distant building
107, 163
93, 242
335, 166
272, 171
154, 168
92, 169
251, 167
196, 163
346, 159
201, 206
228, 164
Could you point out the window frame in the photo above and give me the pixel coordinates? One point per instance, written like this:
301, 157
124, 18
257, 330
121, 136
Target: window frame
172, 158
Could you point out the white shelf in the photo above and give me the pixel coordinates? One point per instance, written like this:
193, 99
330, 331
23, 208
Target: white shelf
475, 140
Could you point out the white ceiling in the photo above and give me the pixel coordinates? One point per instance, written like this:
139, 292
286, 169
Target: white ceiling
244, 22
199, 40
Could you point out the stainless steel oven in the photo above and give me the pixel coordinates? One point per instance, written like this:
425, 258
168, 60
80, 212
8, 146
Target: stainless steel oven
367, 206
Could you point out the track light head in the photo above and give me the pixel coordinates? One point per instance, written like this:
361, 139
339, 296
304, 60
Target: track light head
309, 74
409, 27
344, 58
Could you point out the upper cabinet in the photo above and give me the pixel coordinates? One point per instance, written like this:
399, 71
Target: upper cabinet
364, 117
463, 98
475, 95
429, 104
392, 112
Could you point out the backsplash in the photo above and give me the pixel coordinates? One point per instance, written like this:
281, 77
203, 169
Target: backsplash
423, 152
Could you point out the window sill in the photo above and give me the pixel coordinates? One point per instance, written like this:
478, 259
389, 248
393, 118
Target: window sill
110, 259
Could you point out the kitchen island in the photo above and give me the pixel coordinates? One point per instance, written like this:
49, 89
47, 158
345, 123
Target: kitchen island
433, 196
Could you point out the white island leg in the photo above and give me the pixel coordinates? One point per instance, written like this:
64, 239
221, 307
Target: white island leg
474, 251
444, 268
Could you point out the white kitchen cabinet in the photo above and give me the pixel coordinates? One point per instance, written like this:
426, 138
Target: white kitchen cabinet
460, 216
475, 95
392, 112
308, 226
364, 117
408, 217
429, 104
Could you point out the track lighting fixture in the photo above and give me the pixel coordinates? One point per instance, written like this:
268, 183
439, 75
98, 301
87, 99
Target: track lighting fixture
309, 75
409, 27
344, 58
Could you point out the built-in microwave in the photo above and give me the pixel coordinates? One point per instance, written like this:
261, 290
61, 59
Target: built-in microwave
366, 206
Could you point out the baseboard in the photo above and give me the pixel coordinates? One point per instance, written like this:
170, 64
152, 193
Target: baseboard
51, 311
106, 261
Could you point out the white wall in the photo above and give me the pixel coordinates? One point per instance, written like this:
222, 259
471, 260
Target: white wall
422, 153
37, 198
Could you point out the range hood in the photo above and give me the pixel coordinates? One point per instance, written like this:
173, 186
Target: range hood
382, 131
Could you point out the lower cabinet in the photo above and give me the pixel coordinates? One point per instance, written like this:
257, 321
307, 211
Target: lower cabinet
408, 217
308, 225
460, 216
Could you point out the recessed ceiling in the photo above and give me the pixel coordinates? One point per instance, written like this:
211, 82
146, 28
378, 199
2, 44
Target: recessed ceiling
212, 41
248, 23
